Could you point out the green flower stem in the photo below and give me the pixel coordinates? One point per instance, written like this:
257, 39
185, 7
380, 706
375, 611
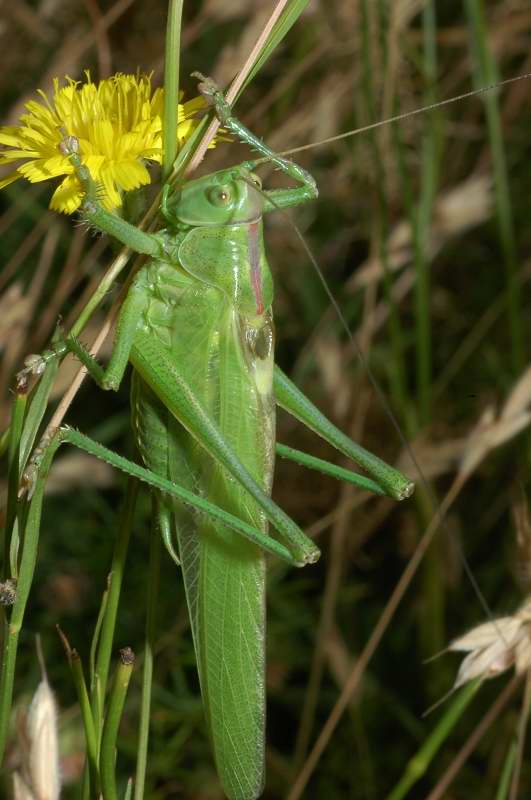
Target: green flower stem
171, 86
112, 723
107, 281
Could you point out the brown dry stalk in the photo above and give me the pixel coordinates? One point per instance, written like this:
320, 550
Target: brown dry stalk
237, 84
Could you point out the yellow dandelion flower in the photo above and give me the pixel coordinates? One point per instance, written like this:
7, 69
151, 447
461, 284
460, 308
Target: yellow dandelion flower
118, 123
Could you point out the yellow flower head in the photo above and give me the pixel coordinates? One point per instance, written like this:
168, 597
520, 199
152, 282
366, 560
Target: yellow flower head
118, 123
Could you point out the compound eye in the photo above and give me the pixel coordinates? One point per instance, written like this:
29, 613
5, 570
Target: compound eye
220, 196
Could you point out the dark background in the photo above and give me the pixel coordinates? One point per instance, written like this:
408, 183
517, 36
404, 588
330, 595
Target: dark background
343, 65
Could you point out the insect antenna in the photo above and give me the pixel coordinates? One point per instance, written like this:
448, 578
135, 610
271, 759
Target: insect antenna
439, 512
407, 114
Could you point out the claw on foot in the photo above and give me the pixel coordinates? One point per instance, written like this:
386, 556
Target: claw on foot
69, 146
214, 96
207, 86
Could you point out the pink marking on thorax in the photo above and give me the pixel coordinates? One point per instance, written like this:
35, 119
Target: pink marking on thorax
254, 261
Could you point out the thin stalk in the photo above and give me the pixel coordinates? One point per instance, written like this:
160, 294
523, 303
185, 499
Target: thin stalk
440, 791
88, 722
17, 421
264, 42
422, 223
150, 639
418, 765
486, 72
104, 286
112, 723
119, 556
4, 441
504, 785
37, 405
171, 86
522, 728
98, 701
13, 623
397, 372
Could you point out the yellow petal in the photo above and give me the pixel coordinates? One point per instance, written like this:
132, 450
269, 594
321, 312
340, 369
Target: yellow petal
35, 171
14, 155
67, 197
130, 175
10, 139
57, 165
112, 198
94, 164
7, 179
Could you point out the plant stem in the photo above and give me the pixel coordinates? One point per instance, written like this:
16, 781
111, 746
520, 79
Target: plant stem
420, 762
171, 86
112, 723
111, 607
88, 722
486, 73
13, 623
147, 673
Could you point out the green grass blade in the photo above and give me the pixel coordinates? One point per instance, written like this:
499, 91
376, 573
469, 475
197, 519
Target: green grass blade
91, 738
171, 86
15, 433
504, 785
37, 405
13, 621
420, 762
381, 230
486, 73
112, 723
108, 625
422, 223
149, 657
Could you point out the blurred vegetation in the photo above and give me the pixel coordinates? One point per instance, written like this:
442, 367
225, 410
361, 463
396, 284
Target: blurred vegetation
421, 231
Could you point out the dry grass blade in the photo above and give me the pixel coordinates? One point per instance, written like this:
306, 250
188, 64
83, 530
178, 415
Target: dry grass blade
492, 432
238, 82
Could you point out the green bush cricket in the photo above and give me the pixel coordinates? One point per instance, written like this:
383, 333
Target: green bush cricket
196, 326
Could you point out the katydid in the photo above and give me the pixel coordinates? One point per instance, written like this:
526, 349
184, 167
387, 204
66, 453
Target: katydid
196, 326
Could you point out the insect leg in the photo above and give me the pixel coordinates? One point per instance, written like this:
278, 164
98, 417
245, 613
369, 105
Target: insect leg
129, 318
327, 468
39, 466
162, 375
129, 235
281, 198
289, 397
